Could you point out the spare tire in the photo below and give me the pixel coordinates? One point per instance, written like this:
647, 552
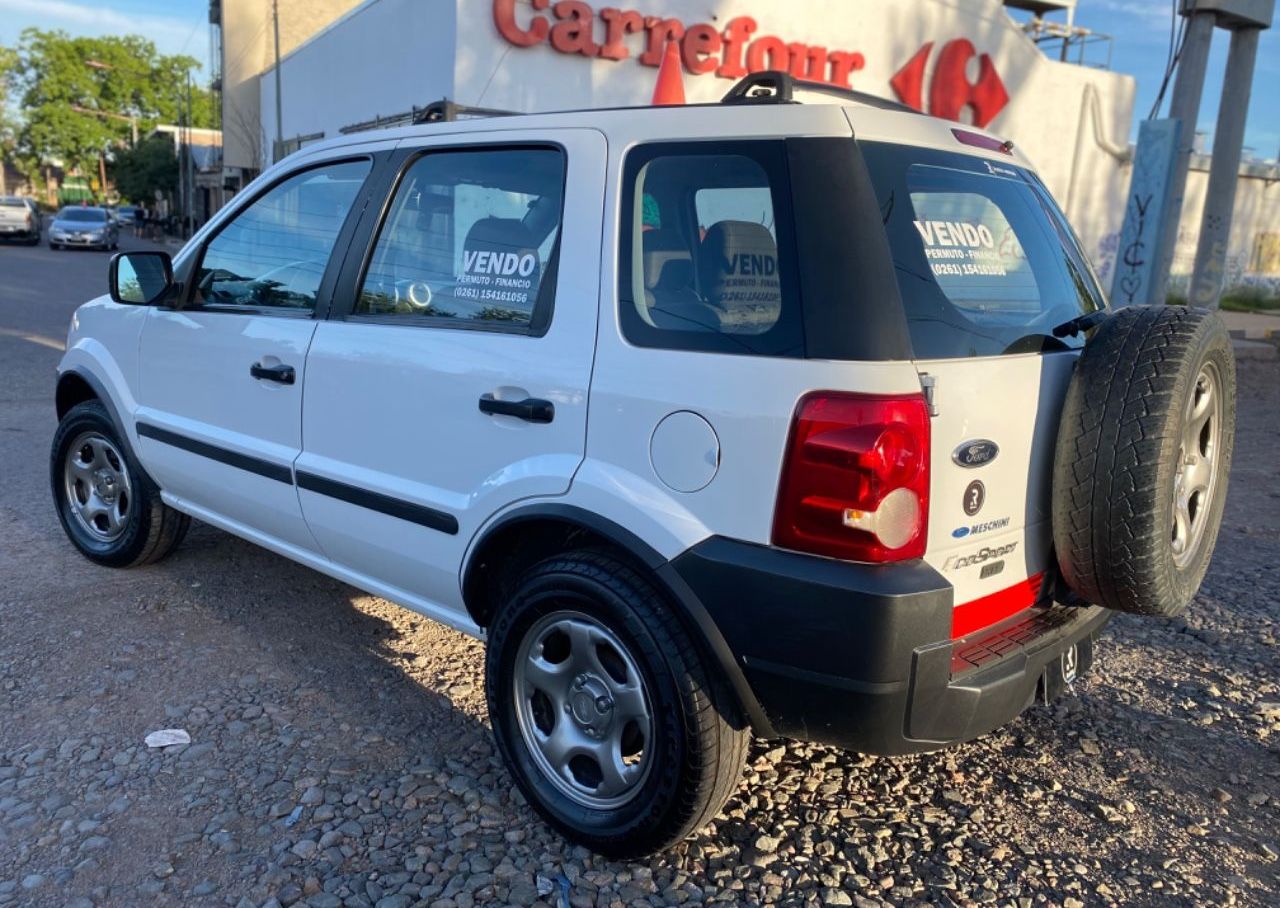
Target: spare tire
1143, 453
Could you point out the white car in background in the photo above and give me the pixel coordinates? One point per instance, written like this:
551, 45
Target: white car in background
19, 219
799, 420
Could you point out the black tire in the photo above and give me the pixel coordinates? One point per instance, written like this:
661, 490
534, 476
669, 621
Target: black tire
152, 529
1121, 455
698, 742
53, 247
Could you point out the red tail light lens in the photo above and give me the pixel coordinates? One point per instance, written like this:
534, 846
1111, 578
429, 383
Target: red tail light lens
855, 482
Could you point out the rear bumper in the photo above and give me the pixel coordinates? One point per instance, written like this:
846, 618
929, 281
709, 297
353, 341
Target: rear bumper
861, 656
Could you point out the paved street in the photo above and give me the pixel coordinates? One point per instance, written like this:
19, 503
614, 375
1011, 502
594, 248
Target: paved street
341, 755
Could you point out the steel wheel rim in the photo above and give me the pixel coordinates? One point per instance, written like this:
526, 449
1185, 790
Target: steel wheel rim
97, 487
1196, 480
583, 709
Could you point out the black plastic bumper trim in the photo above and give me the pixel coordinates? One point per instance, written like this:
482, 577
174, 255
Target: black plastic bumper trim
383, 504
278, 472
803, 674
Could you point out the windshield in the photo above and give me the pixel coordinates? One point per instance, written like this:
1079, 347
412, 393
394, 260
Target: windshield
984, 263
11, 202
90, 215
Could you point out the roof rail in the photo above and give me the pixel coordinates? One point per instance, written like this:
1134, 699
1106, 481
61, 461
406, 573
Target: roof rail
446, 110
435, 112
777, 87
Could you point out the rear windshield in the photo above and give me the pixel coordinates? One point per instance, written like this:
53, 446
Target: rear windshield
11, 202
82, 214
985, 262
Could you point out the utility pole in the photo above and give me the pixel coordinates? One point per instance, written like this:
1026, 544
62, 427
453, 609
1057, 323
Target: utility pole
1184, 107
1245, 19
275, 21
1220, 197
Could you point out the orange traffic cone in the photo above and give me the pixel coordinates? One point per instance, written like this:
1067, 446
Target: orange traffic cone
670, 87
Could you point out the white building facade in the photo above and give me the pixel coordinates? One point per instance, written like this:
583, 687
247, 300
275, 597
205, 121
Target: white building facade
961, 59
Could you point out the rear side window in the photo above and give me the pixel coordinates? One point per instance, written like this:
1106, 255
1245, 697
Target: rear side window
982, 263
707, 252
470, 239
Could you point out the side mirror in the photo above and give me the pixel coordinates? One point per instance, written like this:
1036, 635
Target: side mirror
140, 278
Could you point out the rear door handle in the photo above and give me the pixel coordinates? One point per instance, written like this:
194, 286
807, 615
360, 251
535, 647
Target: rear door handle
531, 409
280, 373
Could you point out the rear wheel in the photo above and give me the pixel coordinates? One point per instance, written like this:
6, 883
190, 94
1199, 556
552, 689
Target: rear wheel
1144, 450
604, 710
108, 508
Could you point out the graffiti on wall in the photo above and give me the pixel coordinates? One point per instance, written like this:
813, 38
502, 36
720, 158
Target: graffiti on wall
1136, 250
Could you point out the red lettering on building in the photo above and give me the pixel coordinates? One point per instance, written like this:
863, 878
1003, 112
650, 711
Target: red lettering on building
504, 17
950, 90
572, 34
730, 54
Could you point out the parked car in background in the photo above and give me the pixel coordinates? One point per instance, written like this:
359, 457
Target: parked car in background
19, 219
127, 215
84, 226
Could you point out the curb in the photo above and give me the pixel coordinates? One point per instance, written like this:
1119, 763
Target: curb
1254, 349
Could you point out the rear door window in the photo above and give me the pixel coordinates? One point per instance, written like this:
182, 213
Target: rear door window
470, 240
981, 263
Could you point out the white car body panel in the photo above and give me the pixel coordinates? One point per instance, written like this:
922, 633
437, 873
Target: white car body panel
193, 379
394, 408
1014, 401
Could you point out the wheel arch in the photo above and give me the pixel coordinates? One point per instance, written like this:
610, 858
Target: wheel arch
77, 385
530, 533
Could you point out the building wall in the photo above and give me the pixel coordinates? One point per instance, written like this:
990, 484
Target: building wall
248, 49
382, 58
1253, 250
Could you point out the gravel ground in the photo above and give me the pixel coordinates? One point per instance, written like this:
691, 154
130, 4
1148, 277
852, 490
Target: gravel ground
341, 752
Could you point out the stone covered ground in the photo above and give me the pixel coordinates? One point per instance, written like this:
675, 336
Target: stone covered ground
341, 752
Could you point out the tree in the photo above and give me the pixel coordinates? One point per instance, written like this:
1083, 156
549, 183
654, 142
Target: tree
149, 166
78, 94
8, 60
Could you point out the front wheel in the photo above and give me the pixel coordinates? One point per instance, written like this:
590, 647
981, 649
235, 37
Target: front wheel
609, 718
109, 510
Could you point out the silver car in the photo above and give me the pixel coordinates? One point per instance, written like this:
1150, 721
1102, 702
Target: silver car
85, 226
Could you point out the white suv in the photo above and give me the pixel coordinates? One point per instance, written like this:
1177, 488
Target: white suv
751, 417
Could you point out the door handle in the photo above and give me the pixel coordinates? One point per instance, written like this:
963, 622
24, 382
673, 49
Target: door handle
279, 373
531, 409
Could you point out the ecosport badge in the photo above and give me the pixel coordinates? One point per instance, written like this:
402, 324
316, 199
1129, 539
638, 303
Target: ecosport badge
975, 453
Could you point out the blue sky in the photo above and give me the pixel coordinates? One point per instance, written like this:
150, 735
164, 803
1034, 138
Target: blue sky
1140, 29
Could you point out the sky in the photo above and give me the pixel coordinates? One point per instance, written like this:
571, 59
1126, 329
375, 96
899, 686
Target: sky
1140, 29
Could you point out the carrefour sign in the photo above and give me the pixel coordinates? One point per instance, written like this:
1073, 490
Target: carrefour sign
574, 28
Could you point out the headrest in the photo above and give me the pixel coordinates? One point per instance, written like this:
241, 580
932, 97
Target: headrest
660, 248
738, 271
500, 259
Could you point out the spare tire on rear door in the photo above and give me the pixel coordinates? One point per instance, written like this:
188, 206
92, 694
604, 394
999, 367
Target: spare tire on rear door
1144, 448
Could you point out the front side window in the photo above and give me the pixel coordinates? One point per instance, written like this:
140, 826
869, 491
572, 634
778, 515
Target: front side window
470, 239
273, 254
705, 259
982, 264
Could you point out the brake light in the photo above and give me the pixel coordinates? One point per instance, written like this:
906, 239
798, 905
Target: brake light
855, 482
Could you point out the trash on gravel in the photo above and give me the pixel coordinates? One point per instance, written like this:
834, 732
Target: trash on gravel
167, 737
548, 885
294, 816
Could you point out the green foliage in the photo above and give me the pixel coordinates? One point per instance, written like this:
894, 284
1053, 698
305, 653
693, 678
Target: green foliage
78, 93
138, 172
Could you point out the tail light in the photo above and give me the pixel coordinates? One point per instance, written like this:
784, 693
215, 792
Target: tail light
855, 482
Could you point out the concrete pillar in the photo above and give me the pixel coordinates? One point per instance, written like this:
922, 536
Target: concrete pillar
1220, 198
1184, 106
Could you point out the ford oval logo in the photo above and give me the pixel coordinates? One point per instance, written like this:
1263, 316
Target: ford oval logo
975, 453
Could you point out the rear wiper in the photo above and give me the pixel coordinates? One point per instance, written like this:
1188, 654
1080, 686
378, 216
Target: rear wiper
1081, 323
